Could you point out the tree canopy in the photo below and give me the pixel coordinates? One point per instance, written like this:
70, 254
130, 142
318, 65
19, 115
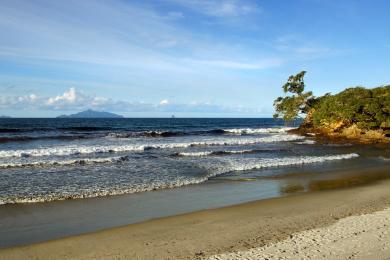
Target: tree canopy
291, 106
367, 108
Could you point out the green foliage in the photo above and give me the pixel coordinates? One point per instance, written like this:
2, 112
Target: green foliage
295, 83
368, 108
289, 107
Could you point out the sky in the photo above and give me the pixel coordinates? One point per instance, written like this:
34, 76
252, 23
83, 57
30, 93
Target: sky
215, 58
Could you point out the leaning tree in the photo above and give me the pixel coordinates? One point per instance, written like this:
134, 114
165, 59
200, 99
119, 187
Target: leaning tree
296, 102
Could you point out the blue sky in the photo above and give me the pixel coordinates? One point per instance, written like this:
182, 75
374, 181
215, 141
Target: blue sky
222, 58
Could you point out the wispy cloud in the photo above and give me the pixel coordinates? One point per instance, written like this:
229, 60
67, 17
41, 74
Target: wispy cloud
229, 64
298, 45
152, 51
220, 8
146, 42
175, 15
312, 50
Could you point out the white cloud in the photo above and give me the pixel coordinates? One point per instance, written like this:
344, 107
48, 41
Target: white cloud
67, 97
72, 100
33, 97
164, 102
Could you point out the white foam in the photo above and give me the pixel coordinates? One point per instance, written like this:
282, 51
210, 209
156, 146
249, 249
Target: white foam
243, 131
195, 154
230, 166
68, 150
74, 150
306, 142
64, 162
240, 165
134, 134
207, 153
101, 192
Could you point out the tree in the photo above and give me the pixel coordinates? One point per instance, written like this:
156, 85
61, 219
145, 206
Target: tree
367, 108
290, 107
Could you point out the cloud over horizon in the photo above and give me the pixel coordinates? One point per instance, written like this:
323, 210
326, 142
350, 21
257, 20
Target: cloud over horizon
71, 100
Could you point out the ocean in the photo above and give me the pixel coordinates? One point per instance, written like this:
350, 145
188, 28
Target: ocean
55, 172
55, 159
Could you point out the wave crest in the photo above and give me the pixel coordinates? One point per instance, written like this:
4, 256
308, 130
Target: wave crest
251, 131
233, 166
74, 150
285, 161
84, 161
207, 153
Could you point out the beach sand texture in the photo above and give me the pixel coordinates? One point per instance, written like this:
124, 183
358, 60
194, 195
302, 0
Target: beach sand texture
357, 237
242, 227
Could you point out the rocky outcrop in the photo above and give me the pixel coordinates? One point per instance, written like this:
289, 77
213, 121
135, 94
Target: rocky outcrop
344, 131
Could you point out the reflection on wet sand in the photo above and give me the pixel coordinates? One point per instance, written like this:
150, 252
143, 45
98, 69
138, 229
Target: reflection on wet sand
303, 183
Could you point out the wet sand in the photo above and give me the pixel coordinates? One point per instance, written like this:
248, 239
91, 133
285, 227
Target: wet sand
24, 224
209, 232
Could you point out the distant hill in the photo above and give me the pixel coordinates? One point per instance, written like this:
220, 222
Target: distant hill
5, 117
91, 114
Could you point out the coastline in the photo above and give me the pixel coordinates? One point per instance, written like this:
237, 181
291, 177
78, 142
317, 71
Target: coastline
215, 231
350, 134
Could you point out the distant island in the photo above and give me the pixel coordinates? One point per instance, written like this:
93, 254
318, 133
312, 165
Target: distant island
5, 117
357, 113
91, 114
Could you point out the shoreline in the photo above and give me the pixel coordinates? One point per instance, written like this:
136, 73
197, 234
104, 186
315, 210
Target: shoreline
215, 231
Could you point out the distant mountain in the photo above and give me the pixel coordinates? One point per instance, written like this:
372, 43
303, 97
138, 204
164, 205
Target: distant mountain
91, 114
5, 117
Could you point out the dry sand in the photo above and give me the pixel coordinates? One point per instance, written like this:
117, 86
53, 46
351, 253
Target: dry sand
356, 237
239, 228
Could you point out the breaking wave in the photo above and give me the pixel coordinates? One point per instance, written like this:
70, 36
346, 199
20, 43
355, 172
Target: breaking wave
283, 161
251, 131
306, 142
234, 131
84, 161
73, 133
229, 167
75, 150
227, 152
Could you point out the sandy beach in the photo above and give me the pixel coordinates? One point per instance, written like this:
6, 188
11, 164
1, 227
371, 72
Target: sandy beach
357, 237
242, 227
